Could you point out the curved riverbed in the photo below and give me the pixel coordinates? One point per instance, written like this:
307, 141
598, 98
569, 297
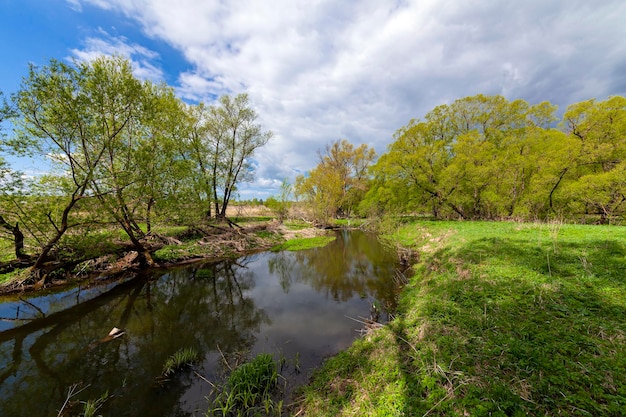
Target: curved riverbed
298, 306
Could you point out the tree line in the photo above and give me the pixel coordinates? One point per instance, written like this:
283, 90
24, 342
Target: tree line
122, 151
485, 157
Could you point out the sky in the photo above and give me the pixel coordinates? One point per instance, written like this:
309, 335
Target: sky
318, 71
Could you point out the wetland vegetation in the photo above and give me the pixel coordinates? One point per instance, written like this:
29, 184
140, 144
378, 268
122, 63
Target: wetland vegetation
515, 308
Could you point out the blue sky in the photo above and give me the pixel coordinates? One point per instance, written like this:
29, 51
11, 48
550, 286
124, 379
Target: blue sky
319, 71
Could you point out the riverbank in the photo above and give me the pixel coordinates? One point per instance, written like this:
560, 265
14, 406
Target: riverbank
170, 246
498, 319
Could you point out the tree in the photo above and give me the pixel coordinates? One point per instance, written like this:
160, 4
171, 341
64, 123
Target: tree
594, 177
281, 204
470, 159
338, 183
140, 167
112, 138
56, 119
200, 152
224, 138
10, 183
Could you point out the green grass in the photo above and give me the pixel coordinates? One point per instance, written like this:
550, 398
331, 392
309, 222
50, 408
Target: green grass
178, 360
10, 276
296, 225
172, 253
250, 219
249, 390
303, 243
500, 319
7, 250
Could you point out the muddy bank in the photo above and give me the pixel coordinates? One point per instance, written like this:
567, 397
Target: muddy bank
208, 242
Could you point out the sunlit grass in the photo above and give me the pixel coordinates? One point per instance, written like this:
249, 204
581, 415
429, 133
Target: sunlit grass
499, 319
303, 243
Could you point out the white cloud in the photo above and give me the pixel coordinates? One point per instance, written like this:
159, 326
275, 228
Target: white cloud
319, 70
140, 57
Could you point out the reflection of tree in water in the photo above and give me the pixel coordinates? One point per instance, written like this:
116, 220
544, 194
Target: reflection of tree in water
200, 308
354, 264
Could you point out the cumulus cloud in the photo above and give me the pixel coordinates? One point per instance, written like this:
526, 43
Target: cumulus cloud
141, 58
319, 71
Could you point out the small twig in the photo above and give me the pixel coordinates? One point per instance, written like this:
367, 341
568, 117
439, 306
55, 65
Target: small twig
204, 379
14, 319
71, 393
440, 401
365, 321
223, 357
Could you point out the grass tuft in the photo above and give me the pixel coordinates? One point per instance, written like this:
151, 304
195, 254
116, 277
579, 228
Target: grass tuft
181, 358
248, 390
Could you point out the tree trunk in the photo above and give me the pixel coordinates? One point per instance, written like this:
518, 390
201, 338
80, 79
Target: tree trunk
145, 258
18, 238
148, 215
19, 242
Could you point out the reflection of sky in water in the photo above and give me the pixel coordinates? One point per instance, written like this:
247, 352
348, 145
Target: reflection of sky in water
289, 304
48, 304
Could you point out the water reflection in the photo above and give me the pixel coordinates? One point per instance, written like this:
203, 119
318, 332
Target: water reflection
291, 304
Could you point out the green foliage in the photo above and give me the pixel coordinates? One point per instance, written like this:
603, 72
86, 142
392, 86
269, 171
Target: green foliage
179, 359
91, 407
222, 140
484, 157
499, 319
248, 390
123, 150
337, 185
280, 206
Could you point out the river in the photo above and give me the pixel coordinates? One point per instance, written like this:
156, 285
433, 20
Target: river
299, 306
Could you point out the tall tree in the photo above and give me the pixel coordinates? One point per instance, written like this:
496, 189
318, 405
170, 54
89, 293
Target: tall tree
10, 183
468, 159
56, 120
223, 142
111, 135
594, 177
200, 152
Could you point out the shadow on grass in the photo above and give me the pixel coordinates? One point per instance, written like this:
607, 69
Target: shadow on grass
532, 330
496, 327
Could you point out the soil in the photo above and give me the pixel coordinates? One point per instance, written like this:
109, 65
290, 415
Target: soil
211, 242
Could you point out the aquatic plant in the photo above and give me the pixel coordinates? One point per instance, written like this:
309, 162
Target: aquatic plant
248, 390
179, 359
91, 407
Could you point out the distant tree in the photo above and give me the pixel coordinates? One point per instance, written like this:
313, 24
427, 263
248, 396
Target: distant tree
594, 177
281, 205
470, 159
337, 184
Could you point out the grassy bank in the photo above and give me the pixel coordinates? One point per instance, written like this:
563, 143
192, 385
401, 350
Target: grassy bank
499, 319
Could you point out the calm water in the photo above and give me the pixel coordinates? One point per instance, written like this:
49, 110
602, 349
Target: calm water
296, 305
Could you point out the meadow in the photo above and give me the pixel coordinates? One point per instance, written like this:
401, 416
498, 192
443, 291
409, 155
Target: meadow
499, 319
